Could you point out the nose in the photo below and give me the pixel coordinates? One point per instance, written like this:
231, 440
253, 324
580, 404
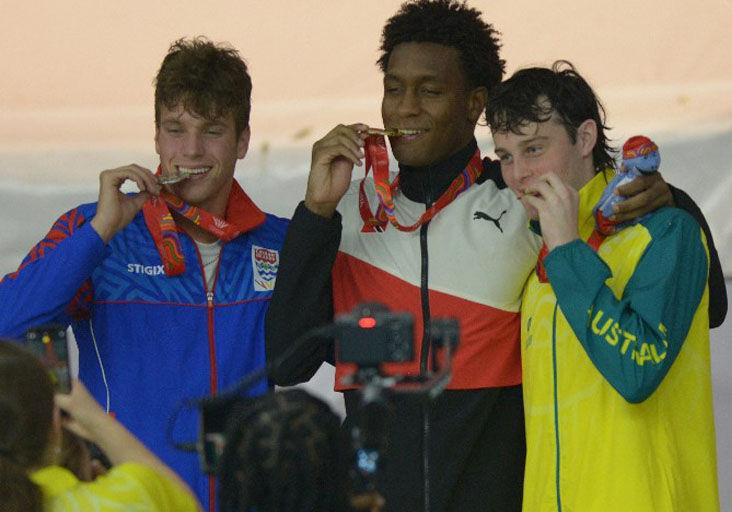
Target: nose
517, 174
524, 170
409, 104
193, 144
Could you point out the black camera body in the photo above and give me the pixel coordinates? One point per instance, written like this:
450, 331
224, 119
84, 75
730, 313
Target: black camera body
371, 334
367, 337
216, 414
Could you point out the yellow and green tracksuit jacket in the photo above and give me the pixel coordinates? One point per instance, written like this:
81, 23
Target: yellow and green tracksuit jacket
616, 368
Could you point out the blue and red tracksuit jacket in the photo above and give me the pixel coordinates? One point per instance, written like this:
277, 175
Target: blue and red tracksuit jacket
148, 341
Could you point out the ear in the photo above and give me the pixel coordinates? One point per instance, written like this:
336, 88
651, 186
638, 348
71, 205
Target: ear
477, 100
242, 145
587, 137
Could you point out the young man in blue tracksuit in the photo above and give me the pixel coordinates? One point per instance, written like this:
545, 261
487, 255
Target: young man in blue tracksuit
165, 289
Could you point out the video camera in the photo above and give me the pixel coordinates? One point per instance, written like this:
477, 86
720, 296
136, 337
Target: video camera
369, 336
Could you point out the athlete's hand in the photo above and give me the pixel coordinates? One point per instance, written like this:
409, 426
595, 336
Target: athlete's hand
558, 206
115, 210
644, 194
332, 162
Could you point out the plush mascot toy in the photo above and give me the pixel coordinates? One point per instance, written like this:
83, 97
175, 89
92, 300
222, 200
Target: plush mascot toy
640, 156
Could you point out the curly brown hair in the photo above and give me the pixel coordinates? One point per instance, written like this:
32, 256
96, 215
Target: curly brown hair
206, 78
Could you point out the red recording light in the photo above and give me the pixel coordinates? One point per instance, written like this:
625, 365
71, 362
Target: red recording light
367, 322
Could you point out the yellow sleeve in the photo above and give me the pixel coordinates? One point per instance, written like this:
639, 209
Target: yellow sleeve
129, 486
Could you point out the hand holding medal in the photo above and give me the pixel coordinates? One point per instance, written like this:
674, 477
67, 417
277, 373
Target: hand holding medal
333, 159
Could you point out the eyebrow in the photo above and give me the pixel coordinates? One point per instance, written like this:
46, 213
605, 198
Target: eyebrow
204, 125
419, 78
522, 144
532, 140
213, 123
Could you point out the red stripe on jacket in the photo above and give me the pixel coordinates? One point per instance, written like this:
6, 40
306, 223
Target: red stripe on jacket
64, 227
489, 350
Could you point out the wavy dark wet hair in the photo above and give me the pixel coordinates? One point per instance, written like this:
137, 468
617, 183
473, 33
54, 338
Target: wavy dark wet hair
533, 95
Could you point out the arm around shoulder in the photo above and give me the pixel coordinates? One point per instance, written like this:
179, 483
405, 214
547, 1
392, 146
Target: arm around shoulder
717, 287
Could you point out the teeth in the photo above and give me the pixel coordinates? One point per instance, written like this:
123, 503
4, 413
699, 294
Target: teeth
193, 170
407, 131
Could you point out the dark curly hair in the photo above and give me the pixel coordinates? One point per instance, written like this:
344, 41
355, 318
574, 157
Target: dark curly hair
208, 79
449, 23
285, 452
533, 95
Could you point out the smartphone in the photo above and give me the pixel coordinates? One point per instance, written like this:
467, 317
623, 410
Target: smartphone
48, 343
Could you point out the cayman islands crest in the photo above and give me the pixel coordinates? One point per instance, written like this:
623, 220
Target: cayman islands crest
265, 263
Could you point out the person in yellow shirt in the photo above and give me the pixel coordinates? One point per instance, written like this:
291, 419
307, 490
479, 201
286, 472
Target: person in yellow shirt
614, 329
30, 437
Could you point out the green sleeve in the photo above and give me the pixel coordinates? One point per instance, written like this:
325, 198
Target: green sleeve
633, 341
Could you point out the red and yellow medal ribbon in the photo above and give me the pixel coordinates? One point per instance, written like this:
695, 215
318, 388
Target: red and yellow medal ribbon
377, 158
158, 213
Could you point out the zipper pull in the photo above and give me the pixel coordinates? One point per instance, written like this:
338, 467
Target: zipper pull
209, 298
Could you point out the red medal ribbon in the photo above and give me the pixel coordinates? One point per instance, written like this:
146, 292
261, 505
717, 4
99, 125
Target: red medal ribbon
158, 213
377, 158
595, 241
540, 268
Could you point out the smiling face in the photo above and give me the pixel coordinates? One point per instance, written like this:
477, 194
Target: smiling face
545, 147
205, 149
425, 89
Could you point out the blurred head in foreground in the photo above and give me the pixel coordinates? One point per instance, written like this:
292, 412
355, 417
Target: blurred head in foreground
27, 426
286, 452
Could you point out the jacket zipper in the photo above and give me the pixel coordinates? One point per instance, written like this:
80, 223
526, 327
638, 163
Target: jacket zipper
211, 353
211, 342
424, 359
425, 299
556, 407
214, 386
425, 352
210, 317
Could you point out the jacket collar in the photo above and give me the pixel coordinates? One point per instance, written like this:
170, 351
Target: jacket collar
426, 184
241, 210
589, 194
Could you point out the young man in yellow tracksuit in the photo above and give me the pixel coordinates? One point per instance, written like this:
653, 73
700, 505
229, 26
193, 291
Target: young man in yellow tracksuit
615, 330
